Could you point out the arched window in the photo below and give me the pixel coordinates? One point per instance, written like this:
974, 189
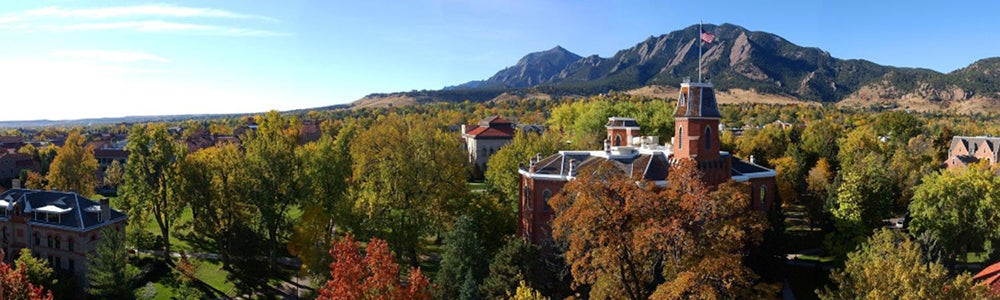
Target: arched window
763, 196
69, 246
618, 140
527, 199
38, 240
680, 137
546, 195
708, 138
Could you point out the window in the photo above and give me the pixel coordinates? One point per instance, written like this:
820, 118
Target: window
69, 246
763, 196
527, 199
618, 140
38, 240
545, 199
708, 138
680, 137
72, 265
58, 242
50, 241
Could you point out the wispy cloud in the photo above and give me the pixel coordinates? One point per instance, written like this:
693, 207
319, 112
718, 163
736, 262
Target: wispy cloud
141, 11
110, 56
141, 18
167, 27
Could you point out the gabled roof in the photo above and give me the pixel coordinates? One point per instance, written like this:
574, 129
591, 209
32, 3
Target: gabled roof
75, 212
484, 132
494, 120
990, 276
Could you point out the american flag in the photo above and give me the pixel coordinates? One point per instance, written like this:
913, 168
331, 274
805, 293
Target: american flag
707, 37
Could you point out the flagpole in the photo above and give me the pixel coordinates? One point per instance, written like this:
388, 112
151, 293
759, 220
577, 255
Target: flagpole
699, 50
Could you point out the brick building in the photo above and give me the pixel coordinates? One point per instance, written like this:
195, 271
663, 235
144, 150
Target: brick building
696, 137
60, 227
966, 150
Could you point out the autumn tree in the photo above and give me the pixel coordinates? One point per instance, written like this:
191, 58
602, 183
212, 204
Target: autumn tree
622, 234
151, 178
865, 197
213, 180
818, 184
108, 271
74, 167
114, 175
819, 139
38, 270
15, 283
958, 207
326, 170
275, 186
373, 275
35, 181
408, 180
892, 266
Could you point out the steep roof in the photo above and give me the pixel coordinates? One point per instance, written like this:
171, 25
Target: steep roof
990, 276
697, 100
75, 212
650, 165
494, 120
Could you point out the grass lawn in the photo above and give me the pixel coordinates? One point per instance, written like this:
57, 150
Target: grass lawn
816, 258
476, 186
176, 243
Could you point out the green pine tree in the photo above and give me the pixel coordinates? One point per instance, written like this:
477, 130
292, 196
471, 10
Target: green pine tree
109, 273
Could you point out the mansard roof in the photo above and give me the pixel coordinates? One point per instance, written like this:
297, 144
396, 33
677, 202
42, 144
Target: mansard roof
697, 100
76, 212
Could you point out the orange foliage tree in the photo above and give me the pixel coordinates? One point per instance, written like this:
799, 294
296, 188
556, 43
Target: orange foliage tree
628, 238
372, 276
14, 284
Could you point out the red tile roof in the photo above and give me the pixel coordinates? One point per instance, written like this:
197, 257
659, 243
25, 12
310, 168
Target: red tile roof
491, 132
990, 276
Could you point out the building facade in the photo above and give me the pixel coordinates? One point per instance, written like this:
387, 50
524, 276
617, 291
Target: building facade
696, 137
60, 227
485, 139
966, 150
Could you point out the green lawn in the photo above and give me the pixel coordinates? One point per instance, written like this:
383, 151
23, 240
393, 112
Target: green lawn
176, 243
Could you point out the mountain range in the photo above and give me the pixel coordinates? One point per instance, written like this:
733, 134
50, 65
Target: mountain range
738, 59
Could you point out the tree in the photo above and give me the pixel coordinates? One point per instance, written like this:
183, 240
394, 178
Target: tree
462, 261
408, 180
38, 270
864, 198
15, 284
108, 271
74, 167
957, 208
524, 292
275, 186
151, 179
114, 175
819, 138
327, 171
372, 276
518, 262
35, 181
213, 180
502, 169
891, 266
818, 184
623, 235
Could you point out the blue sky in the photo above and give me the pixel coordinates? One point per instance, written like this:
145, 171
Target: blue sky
74, 59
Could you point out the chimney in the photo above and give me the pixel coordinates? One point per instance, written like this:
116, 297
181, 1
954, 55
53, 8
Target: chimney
105, 210
15, 183
607, 146
538, 157
752, 161
463, 128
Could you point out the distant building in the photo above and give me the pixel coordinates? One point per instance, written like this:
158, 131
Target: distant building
11, 142
696, 137
966, 150
485, 139
59, 227
11, 164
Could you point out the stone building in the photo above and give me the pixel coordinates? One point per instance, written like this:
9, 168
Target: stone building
966, 150
60, 227
485, 139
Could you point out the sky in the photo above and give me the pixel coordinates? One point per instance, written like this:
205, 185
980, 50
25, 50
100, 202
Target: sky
71, 59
